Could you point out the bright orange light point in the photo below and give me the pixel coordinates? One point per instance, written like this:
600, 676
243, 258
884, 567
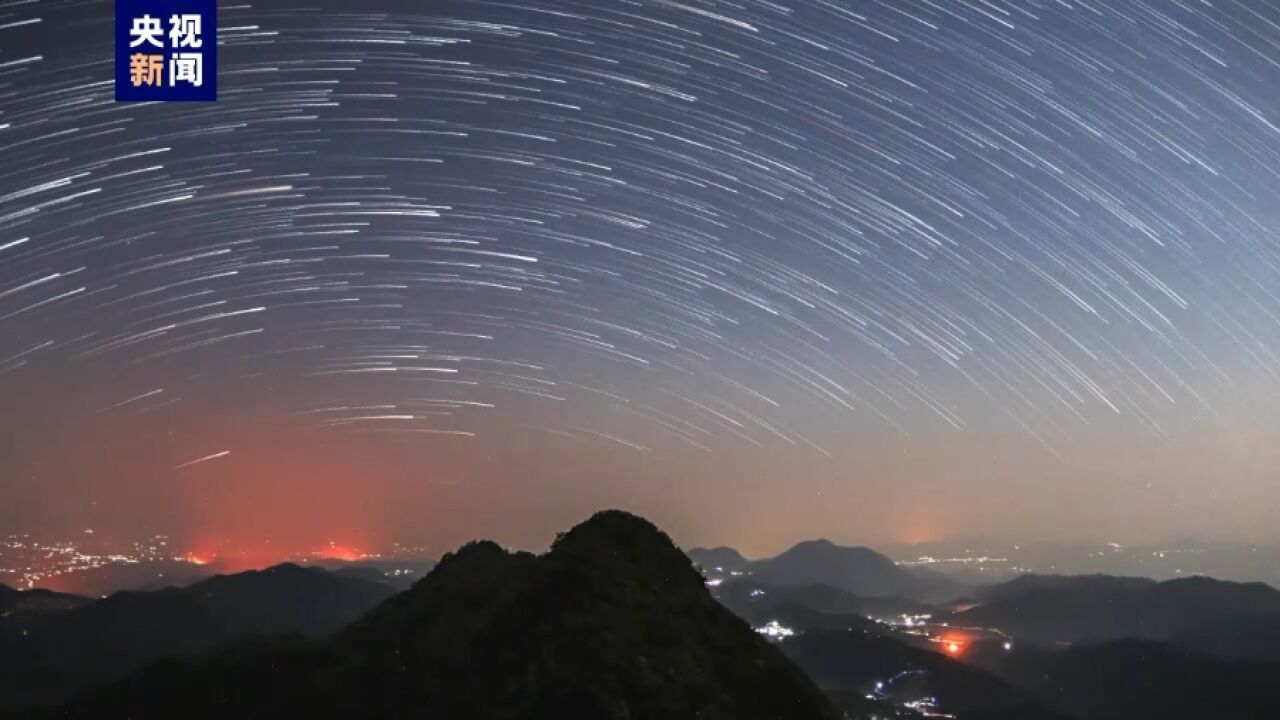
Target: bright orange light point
195, 559
953, 644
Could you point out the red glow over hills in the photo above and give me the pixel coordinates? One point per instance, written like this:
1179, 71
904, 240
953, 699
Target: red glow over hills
339, 552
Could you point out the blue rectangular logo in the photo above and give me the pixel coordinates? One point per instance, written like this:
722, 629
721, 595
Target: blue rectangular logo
166, 50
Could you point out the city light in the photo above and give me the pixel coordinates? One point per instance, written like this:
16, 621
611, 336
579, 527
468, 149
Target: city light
775, 631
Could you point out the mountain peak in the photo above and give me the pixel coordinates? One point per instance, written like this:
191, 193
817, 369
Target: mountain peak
855, 569
474, 551
614, 553
617, 527
619, 534
826, 551
824, 544
612, 622
721, 559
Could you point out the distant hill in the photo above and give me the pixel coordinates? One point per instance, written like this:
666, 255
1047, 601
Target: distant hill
1238, 620
45, 657
1023, 585
612, 622
857, 570
36, 601
722, 559
1129, 679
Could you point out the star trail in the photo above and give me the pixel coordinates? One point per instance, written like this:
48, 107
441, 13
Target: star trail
461, 240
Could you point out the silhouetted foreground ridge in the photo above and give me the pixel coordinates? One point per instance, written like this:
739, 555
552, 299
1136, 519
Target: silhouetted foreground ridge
613, 622
48, 656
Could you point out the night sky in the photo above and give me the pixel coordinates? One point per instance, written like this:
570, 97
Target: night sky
873, 270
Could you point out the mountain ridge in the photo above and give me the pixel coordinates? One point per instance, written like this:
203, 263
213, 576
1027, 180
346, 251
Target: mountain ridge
612, 622
1216, 617
47, 656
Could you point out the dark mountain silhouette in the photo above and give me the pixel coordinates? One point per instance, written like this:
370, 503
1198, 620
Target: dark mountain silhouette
1128, 679
45, 657
612, 622
37, 600
858, 570
1029, 583
1236, 620
722, 559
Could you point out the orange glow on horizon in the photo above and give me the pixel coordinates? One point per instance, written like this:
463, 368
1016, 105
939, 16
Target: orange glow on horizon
339, 552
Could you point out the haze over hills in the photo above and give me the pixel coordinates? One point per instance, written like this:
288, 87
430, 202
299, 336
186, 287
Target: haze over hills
616, 620
981, 561
977, 562
612, 622
969, 563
